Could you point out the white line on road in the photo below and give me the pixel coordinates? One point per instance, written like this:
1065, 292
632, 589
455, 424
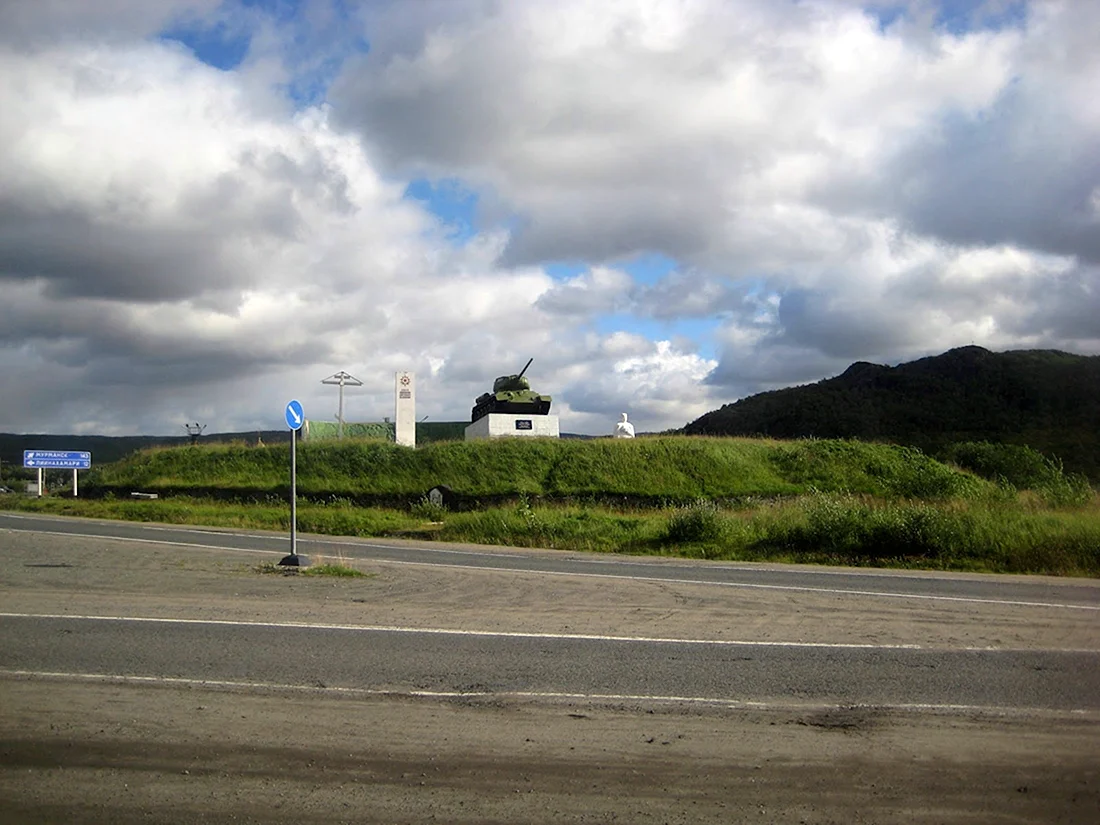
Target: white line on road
439, 631
663, 579
699, 701
502, 634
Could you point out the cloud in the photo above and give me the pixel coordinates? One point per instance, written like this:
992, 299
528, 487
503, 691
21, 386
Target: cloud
895, 188
1021, 168
832, 183
600, 289
25, 23
170, 251
699, 128
654, 382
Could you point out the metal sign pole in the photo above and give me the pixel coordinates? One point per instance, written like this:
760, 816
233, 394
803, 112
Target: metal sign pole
39, 482
74, 482
294, 493
295, 417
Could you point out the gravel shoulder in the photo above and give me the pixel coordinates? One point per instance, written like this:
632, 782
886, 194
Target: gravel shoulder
83, 750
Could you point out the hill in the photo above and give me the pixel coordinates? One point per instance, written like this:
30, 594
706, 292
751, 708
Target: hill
1044, 399
645, 471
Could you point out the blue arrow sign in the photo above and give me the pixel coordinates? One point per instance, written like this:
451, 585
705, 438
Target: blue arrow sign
57, 459
294, 415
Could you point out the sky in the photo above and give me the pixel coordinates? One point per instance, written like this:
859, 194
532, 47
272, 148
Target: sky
209, 206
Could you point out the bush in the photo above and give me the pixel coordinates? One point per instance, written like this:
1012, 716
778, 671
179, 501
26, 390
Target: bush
876, 469
1071, 490
695, 523
1022, 467
428, 510
848, 528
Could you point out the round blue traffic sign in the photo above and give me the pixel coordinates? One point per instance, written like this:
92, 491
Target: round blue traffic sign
294, 415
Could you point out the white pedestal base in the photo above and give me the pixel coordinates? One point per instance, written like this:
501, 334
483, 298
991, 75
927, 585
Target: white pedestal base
513, 425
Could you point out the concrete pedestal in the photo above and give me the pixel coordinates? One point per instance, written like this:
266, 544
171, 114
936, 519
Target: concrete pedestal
513, 425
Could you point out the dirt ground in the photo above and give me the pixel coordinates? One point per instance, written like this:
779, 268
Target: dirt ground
88, 750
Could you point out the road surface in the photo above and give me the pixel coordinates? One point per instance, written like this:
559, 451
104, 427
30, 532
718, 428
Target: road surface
151, 673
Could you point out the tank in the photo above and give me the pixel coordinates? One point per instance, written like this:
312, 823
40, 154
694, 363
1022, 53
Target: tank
511, 394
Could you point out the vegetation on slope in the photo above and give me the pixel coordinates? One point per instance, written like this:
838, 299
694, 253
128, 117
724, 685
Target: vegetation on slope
673, 469
827, 501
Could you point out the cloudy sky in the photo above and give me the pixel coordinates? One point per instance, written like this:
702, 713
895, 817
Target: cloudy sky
207, 206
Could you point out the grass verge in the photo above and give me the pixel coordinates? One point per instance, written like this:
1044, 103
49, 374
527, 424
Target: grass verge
328, 569
1005, 531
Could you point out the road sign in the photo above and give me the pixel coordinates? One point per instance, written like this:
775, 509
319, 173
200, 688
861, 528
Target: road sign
294, 419
294, 415
57, 459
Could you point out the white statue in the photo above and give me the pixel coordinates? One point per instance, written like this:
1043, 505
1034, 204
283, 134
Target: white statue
624, 429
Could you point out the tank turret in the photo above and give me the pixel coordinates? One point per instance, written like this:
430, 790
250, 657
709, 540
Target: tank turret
511, 394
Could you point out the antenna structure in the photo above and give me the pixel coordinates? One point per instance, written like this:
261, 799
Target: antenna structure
194, 430
341, 379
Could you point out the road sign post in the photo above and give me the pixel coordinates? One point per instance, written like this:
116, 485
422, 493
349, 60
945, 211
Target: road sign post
57, 460
294, 420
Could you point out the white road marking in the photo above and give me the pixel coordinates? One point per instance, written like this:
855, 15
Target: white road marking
439, 631
666, 580
507, 634
699, 701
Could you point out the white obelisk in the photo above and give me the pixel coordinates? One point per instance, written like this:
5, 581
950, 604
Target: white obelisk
404, 394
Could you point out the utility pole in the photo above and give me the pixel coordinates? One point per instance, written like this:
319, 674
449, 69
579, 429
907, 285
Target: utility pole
341, 379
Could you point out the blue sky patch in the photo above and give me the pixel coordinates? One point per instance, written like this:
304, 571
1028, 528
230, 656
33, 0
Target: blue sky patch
452, 202
218, 45
959, 16
699, 330
649, 268
564, 270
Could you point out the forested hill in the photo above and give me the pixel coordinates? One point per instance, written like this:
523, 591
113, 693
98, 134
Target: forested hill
1046, 399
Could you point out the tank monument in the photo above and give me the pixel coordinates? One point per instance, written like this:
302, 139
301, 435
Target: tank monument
512, 409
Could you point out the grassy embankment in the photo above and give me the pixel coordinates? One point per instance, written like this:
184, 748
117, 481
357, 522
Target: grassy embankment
824, 501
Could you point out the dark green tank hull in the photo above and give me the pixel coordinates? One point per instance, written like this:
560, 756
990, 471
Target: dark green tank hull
488, 403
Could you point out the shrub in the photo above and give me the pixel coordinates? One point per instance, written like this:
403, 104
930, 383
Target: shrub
695, 523
876, 469
848, 528
428, 510
1022, 467
1071, 490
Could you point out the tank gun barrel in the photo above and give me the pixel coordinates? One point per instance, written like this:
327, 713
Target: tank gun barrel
525, 366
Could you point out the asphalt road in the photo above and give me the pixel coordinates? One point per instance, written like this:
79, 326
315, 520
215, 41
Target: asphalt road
408, 661
885, 584
153, 673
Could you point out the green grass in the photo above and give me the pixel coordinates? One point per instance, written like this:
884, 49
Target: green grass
644, 470
1001, 509
339, 571
337, 518
1008, 535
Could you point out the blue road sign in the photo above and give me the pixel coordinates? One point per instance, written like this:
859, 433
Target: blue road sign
294, 415
57, 459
